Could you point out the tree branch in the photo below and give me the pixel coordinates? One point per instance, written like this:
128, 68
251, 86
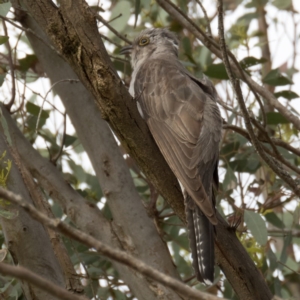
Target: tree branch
120, 256
236, 87
214, 48
130, 222
89, 59
24, 274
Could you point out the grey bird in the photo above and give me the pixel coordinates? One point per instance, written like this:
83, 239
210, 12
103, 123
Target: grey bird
184, 119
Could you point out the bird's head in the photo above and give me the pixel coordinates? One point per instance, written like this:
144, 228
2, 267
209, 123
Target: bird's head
151, 42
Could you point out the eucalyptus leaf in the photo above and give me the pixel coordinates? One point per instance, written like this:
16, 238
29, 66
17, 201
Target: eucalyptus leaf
121, 12
250, 61
3, 39
284, 255
276, 78
257, 226
27, 62
282, 4
217, 71
4, 8
286, 94
275, 118
274, 220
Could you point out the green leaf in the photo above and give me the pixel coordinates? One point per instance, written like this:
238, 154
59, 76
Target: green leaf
230, 180
217, 71
121, 8
275, 118
204, 58
257, 226
35, 110
3, 39
284, 254
4, 8
5, 128
69, 140
251, 61
274, 220
27, 62
229, 150
286, 94
137, 10
186, 44
272, 259
282, 4
276, 78
2, 76
255, 3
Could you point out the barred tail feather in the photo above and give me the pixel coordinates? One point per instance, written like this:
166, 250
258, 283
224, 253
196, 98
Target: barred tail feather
201, 237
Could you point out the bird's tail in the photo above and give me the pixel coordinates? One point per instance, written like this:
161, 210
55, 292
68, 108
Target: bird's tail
201, 237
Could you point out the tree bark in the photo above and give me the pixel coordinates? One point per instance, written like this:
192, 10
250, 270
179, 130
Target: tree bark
73, 31
133, 229
27, 240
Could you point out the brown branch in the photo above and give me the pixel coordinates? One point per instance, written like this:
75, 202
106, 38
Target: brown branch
89, 59
117, 255
212, 45
45, 98
205, 16
61, 148
275, 141
28, 30
113, 30
236, 86
12, 70
24, 274
264, 42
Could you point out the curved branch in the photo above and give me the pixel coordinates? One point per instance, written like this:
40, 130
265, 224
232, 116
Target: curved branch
120, 256
77, 37
26, 275
236, 87
214, 48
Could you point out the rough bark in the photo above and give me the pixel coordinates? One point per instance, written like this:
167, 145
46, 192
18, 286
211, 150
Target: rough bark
132, 227
27, 240
73, 31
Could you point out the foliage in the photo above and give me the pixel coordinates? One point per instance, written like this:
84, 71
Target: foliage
249, 192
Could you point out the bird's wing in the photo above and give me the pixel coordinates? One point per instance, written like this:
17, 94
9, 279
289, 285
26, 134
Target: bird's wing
185, 123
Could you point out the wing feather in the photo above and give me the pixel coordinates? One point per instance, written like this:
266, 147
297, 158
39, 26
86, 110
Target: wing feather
185, 122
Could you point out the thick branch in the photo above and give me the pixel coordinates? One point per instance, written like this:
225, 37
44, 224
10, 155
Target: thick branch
236, 87
26, 275
130, 220
120, 256
214, 48
90, 61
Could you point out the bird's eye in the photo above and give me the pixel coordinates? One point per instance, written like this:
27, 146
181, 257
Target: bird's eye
144, 41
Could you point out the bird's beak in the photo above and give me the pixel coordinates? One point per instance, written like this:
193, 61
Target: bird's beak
126, 50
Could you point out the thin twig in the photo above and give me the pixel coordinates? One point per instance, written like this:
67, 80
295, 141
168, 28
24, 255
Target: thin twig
213, 46
117, 255
113, 19
205, 16
113, 30
26, 275
109, 40
12, 70
22, 100
58, 154
28, 30
44, 100
286, 266
237, 89
276, 141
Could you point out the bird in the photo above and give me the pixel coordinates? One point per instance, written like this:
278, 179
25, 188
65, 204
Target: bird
182, 114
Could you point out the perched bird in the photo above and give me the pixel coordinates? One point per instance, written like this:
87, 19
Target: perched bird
184, 119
